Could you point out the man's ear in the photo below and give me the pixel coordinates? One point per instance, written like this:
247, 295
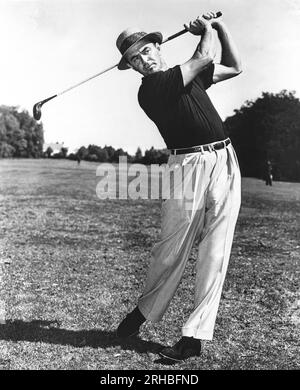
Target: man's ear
157, 45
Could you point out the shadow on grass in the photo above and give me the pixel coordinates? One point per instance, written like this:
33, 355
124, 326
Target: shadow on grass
49, 332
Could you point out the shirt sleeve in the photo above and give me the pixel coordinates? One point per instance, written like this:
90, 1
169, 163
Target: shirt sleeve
205, 78
164, 87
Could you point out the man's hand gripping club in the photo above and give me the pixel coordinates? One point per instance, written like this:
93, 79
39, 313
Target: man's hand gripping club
206, 49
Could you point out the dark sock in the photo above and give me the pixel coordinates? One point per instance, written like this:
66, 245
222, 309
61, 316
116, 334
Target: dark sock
131, 323
138, 316
191, 340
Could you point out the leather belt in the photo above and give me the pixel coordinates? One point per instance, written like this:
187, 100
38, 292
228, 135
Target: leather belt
203, 148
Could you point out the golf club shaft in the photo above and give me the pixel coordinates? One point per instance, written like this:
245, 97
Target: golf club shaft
110, 68
86, 80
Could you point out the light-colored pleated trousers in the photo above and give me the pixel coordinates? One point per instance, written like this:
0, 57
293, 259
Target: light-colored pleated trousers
204, 212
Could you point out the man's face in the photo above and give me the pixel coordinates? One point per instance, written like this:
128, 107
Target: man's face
145, 58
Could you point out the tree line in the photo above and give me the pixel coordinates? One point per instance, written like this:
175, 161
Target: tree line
268, 129
109, 154
263, 131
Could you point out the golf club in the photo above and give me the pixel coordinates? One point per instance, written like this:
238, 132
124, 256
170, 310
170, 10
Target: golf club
37, 108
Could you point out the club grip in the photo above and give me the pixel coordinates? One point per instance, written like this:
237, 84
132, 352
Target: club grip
176, 35
218, 14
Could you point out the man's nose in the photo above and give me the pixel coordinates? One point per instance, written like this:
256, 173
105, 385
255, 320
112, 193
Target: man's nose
144, 58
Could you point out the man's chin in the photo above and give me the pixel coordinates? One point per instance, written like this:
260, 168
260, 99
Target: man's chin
151, 70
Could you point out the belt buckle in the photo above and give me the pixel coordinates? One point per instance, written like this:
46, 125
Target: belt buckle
197, 149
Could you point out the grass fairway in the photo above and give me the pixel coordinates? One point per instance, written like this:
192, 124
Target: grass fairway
71, 266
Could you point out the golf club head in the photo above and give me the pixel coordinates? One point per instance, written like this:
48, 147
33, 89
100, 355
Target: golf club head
37, 111
37, 108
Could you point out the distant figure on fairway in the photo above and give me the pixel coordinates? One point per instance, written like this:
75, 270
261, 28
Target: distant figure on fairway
176, 100
78, 159
268, 173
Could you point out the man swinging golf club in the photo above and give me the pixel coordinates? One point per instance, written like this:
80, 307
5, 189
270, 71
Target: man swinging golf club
176, 100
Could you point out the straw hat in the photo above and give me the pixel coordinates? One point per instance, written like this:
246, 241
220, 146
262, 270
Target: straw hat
130, 37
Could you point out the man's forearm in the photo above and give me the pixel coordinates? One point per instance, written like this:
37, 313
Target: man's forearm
230, 54
205, 47
202, 57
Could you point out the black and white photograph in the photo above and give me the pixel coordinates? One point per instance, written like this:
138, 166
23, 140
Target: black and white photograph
150, 188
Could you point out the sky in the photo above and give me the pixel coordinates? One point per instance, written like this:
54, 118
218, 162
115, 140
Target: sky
50, 45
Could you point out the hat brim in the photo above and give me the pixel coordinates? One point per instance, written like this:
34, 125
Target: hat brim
155, 37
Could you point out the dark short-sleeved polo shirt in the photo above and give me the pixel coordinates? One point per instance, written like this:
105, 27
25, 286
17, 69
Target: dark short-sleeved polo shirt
185, 116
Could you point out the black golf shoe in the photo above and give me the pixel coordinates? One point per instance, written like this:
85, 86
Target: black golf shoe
185, 348
130, 326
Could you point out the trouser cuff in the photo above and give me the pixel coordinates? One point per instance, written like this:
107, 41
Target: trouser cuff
197, 333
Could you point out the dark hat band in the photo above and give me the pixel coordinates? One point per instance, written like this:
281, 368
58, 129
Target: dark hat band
130, 41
